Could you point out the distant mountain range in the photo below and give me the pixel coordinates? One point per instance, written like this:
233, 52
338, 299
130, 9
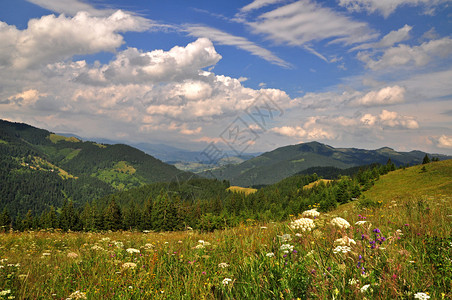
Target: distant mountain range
273, 166
192, 161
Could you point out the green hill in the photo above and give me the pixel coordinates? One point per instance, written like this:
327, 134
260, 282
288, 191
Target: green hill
283, 162
39, 168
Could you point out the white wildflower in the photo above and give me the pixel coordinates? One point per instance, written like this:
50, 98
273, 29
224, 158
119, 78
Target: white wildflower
226, 281
148, 246
5, 292
223, 265
72, 255
77, 295
312, 213
46, 254
360, 222
129, 265
421, 295
118, 244
199, 246
305, 224
270, 254
345, 241
364, 288
343, 249
352, 281
339, 222
105, 239
286, 248
285, 237
132, 250
96, 247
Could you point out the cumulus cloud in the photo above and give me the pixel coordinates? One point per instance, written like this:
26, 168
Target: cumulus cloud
302, 22
444, 141
385, 96
390, 119
310, 130
224, 38
405, 55
135, 66
387, 7
52, 38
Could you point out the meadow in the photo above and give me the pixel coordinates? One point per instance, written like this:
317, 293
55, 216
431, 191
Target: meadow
387, 245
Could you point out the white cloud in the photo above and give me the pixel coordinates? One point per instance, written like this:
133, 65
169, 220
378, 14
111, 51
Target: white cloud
135, 66
405, 55
70, 7
302, 22
385, 96
52, 38
387, 7
390, 119
224, 38
389, 40
256, 4
444, 141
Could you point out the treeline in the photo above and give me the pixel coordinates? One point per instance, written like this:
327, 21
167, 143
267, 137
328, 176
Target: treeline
202, 204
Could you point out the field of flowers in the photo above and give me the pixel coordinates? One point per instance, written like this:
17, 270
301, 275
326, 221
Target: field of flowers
396, 250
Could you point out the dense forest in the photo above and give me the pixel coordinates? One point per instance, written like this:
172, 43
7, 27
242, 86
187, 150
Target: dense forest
203, 204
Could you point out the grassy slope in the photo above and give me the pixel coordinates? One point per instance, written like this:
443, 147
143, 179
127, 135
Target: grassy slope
407, 183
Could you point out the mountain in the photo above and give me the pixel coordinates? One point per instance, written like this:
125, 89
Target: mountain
39, 168
273, 166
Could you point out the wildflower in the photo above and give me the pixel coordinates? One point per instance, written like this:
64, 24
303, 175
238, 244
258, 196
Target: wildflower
199, 246
226, 281
305, 224
96, 247
270, 254
339, 222
132, 250
45, 254
421, 295
360, 222
77, 295
223, 265
72, 255
312, 213
376, 230
286, 248
148, 246
5, 292
364, 288
345, 241
343, 249
285, 237
129, 265
263, 227
352, 281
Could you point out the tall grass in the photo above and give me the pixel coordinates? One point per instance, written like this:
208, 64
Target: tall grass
396, 248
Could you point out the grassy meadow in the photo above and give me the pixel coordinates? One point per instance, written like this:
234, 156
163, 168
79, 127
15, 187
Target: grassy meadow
393, 243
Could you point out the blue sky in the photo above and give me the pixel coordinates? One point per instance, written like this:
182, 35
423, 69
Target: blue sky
246, 76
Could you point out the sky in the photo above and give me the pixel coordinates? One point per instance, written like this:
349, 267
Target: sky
243, 76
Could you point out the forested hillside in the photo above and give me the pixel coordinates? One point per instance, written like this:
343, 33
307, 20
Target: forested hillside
273, 166
204, 204
39, 169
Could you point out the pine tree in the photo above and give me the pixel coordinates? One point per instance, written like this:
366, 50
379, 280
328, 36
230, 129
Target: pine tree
5, 220
113, 216
69, 219
426, 160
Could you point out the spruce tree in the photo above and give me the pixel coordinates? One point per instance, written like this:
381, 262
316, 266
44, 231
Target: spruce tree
113, 216
426, 160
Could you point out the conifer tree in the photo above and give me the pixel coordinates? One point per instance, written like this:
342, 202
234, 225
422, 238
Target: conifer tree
113, 216
426, 160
